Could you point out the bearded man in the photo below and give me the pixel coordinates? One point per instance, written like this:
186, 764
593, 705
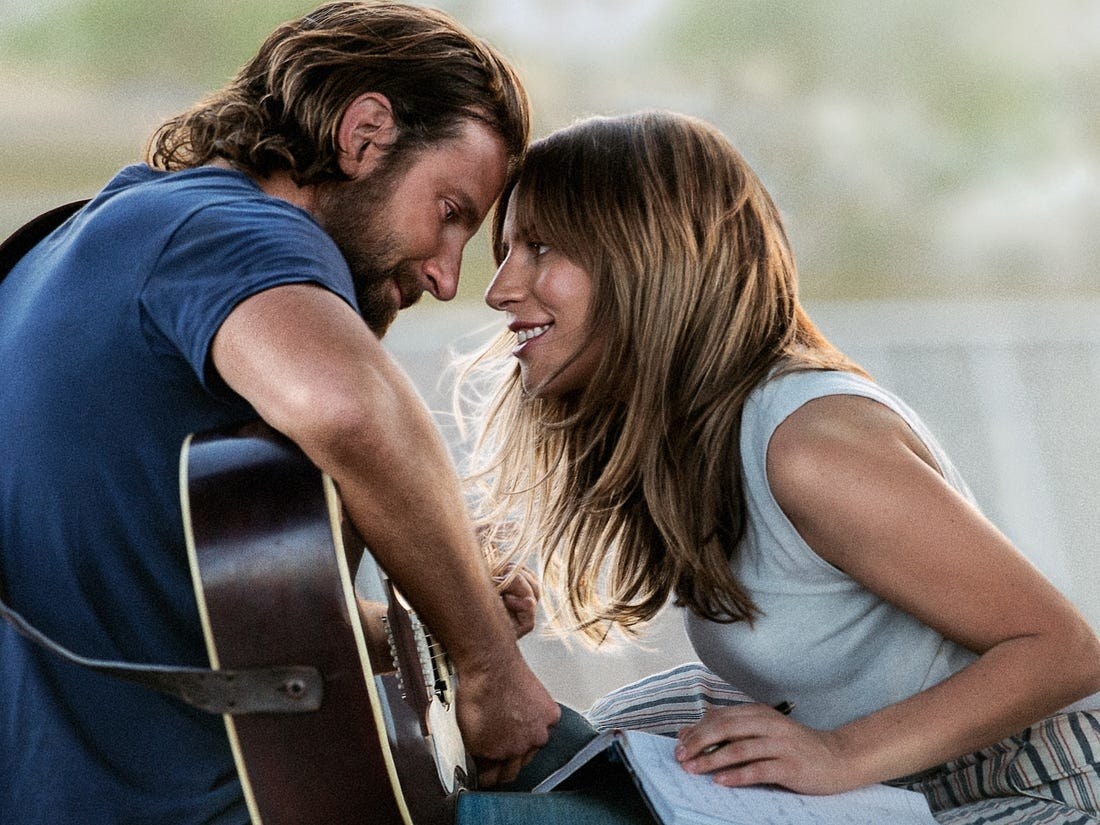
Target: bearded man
245, 271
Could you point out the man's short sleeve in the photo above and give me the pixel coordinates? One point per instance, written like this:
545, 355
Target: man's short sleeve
224, 253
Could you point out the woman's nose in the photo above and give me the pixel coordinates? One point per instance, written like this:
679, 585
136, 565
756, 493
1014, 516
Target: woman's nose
506, 286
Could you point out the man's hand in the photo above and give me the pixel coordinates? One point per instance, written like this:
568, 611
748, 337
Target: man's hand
519, 590
505, 715
504, 711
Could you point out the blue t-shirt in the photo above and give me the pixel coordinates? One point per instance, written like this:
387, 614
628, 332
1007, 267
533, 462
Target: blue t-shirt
105, 331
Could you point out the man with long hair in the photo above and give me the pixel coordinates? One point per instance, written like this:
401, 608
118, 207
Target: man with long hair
332, 182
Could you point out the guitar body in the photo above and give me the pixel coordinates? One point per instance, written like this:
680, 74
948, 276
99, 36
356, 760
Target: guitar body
275, 565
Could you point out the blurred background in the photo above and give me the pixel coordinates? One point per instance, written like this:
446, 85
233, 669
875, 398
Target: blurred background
937, 163
921, 148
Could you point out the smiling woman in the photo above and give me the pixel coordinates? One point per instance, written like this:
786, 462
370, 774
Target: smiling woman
547, 299
677, 429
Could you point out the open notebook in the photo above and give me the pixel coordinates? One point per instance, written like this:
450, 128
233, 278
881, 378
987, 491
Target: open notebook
678, 798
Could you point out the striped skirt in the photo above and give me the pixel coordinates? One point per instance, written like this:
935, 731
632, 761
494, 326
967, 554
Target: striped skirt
1048, 774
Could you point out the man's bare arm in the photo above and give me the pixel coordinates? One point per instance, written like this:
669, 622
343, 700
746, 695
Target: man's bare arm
312, 370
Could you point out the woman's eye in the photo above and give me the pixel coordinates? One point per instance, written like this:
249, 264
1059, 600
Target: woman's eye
539, 248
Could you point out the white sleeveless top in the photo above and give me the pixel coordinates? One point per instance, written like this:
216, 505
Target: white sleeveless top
823, 641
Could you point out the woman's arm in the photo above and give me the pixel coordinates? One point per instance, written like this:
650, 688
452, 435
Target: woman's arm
865, 494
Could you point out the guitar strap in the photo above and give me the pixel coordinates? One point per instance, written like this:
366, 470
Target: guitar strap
26, 237
290, 689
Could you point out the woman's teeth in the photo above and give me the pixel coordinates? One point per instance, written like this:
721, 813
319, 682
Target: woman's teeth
525, 335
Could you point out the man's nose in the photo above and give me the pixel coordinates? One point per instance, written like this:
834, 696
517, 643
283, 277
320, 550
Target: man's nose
442, 274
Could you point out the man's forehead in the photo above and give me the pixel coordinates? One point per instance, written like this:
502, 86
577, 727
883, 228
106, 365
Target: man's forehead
474, 164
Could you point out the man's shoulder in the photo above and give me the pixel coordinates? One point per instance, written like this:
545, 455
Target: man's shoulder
205, 200
202, 185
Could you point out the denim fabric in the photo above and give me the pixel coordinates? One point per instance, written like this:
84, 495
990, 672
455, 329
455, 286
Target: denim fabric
593, 806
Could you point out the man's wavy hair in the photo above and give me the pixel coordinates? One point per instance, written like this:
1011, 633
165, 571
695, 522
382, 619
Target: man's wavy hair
282, 111
630, 490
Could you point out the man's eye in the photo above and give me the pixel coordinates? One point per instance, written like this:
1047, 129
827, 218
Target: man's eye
448, 211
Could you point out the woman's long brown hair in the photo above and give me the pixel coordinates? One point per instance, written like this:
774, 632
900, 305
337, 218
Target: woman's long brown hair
629, 491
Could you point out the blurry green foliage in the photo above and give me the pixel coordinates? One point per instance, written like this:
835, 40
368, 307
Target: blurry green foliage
186, 42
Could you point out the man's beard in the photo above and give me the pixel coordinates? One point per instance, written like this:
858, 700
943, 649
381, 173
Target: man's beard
353, 213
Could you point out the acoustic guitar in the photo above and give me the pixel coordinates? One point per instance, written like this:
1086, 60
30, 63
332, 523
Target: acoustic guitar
276, 566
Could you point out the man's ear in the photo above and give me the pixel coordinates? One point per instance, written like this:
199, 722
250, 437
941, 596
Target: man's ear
367, 130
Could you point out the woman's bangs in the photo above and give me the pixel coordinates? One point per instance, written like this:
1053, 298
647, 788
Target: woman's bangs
526, 207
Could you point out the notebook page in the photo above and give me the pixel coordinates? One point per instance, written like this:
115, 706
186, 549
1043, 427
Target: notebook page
680, 797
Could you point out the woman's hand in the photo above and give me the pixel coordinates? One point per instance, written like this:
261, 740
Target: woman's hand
758, 745
519, 589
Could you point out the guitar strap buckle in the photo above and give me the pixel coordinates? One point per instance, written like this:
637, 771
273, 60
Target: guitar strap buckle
293, 689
